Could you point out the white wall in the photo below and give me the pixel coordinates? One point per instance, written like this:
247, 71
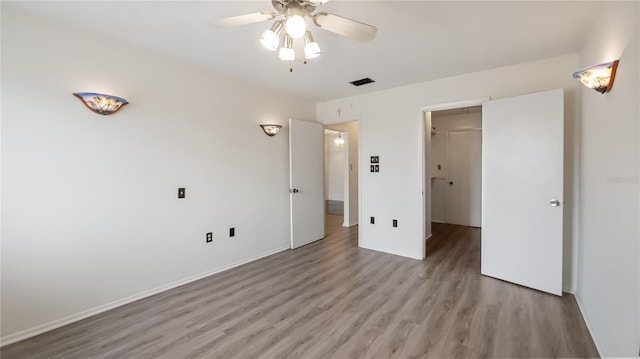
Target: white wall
390, 126
609, 206
351, 130
439, 155
334, 165
90, 213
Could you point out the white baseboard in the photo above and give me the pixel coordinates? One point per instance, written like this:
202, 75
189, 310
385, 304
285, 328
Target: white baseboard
586, 321
569, 290
428, 237
31, 332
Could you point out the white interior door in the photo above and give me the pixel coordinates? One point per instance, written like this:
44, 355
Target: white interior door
463, 204
522, 190
306, 182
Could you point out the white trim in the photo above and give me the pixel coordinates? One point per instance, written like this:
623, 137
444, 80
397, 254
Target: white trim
346, 179
423, 165
358, 120
428, 237
360, 175
31, 332
455, 104
425, 174
586, 322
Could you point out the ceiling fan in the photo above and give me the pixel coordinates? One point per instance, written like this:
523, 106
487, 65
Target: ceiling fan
290, 18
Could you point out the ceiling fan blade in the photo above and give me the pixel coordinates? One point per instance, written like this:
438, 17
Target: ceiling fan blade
243, 19
345, 27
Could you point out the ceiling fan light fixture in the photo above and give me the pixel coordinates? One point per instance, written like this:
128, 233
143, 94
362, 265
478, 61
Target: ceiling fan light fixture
311, 48
287, 53
296, 26
270, 39
290, 22
339, 141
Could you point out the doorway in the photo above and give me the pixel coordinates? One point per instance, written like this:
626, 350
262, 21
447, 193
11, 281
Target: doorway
521, 190
334, 175
456, 166
435, 180
341, 172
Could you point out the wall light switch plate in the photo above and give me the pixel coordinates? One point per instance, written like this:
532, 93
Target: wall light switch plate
209, 237
395, 223
181, 192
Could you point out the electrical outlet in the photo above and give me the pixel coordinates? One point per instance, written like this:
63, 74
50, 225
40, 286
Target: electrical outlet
373, 220
232, 232
395, 223
209, 237
180, 192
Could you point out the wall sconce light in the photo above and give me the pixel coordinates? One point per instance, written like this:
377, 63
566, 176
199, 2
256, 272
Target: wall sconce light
339, 141
271, 129
101, 103
598, 77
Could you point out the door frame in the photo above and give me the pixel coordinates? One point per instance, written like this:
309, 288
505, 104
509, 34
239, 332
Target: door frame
358, 163
346, 202
425, 147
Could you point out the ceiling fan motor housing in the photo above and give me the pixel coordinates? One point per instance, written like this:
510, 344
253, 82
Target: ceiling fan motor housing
295, 7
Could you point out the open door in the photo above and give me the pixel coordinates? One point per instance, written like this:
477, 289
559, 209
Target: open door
306, 182
522, 190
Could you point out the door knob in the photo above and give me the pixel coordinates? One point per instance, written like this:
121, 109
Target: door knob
450, 183
554, 203
295, 190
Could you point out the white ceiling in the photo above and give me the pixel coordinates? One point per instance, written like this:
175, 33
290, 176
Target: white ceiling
417, 41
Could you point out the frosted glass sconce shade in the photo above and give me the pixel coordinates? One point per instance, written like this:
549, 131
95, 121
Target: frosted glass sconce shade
270, 129
101, 103
598, 77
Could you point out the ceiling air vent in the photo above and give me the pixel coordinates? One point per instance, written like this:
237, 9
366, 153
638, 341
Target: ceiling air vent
361, 82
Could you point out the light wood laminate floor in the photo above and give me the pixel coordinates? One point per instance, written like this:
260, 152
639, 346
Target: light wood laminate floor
331, 299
